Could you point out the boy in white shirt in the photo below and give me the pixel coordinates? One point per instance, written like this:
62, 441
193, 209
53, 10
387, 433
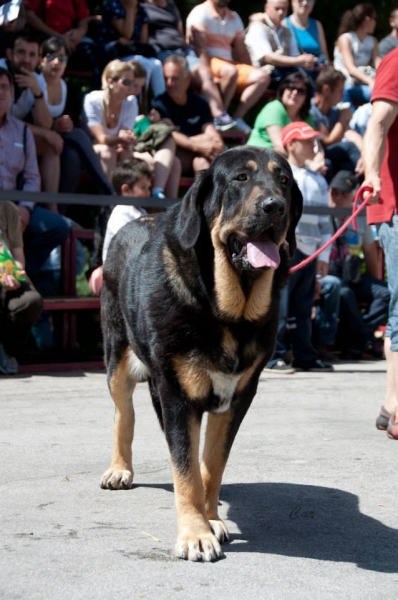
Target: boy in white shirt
132, 179
298, 138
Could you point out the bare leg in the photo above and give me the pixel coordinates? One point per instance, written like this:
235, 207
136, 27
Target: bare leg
205, 82
173, 182
391, 398
108, 158
228, 79
258, 81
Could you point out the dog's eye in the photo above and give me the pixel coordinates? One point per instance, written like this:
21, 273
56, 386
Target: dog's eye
241, 177
284, 179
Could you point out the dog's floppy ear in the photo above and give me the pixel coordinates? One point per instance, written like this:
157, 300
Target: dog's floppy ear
190, 217
296, 209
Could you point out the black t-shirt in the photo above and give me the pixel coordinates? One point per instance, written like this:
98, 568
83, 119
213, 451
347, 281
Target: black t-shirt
162, 27
190, 118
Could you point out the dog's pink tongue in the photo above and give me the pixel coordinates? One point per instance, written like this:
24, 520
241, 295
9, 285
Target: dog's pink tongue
263, 254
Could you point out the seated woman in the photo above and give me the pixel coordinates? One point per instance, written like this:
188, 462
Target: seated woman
308, 33
64, 108
293, 102
124, 33
110, 115
356, 53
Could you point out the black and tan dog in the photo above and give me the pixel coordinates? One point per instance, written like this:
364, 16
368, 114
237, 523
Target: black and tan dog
190, 302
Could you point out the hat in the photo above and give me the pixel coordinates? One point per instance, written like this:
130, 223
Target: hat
299, 130
345, 181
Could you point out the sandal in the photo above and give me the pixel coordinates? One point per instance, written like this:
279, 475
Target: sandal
392, 428
382, 419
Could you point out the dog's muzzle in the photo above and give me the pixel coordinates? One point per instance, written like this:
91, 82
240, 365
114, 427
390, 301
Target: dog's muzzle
260, 250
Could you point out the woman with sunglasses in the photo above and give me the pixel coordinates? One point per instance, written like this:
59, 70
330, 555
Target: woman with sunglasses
110, 115
356, 53
293, 103
308, 32
63, 105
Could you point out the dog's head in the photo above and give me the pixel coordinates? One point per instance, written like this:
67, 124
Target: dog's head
251, 205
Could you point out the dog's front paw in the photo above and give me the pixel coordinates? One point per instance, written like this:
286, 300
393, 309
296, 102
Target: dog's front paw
198, 546
220, 530
117, 479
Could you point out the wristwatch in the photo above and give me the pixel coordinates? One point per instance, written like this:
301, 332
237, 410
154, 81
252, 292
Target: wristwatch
41, 95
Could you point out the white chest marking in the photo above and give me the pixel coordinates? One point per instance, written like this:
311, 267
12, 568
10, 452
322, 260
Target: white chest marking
224, 387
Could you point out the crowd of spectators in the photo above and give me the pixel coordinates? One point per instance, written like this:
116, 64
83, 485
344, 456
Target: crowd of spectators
159, 94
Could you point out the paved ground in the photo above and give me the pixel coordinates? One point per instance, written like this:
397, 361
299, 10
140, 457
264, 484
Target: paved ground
310, 495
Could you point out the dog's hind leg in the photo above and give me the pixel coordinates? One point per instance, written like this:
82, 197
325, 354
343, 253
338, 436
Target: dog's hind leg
214, 460
121, 385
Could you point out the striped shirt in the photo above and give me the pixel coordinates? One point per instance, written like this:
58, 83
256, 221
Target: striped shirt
220, 31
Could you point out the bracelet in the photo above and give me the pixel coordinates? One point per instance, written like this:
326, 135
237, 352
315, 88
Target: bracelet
41, 95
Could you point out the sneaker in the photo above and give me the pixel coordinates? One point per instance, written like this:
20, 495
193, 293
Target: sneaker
159, 194
240, 124
318, 366
224, 122
279, 367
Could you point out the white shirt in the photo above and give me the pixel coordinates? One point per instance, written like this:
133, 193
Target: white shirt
120, 215
259, 44
94, 112
313, 231
220, 31
26, 101
55, 110
361, 52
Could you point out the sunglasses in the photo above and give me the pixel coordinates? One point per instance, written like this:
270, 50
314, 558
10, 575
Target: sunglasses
61, 57
308, 2
127, 82
293, 88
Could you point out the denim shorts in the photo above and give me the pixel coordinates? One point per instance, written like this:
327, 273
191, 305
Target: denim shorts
388, 236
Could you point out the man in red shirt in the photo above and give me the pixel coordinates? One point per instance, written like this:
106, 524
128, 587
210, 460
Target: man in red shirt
380, 159
68, 19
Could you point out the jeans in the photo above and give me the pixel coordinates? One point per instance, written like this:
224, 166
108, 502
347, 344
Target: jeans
356, 94
388, 237
45, 231
79, 154
327, 312
301, 298
357, 329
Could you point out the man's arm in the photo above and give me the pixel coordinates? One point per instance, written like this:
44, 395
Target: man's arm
240, 52
384, 113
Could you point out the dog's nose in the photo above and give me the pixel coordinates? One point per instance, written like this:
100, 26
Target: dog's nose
272, 206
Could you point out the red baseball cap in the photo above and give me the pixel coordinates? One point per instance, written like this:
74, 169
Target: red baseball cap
299, 130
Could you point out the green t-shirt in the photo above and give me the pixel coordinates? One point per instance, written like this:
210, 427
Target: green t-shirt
273, 113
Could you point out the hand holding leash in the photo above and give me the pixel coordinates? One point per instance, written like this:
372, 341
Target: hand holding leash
355, 211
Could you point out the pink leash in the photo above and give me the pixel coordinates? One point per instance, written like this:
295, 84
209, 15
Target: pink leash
355, 212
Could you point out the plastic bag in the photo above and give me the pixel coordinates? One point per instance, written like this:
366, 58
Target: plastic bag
8, 265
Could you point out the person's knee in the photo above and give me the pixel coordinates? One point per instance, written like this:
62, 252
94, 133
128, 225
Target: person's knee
200, 163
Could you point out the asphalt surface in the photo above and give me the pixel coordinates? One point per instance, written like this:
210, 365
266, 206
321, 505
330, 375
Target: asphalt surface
309, 495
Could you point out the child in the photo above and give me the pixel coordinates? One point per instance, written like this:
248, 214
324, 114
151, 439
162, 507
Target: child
20, 303
130, 179
298, 139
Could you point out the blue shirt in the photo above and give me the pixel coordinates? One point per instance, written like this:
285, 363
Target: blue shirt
306, 39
